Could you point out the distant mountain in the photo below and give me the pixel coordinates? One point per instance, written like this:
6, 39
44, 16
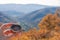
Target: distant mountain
14, 14
26, 8
28, 15
5, 19
11, 16
33, 18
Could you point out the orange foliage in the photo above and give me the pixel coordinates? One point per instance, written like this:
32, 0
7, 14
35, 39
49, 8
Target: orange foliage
49, 30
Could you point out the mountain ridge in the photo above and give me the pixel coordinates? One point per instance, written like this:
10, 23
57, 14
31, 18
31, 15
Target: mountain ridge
35, 17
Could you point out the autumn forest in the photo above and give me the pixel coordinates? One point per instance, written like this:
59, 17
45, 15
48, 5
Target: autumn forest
49, 29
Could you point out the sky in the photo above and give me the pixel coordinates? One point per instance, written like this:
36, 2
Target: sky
41, 2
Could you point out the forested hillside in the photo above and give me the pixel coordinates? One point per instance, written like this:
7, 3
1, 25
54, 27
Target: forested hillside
49, 29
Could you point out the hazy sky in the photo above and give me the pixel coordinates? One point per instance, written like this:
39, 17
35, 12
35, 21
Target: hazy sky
43, 2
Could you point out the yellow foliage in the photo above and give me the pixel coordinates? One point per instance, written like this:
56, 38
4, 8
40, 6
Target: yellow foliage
49, 29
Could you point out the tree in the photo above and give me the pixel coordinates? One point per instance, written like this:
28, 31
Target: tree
49, 29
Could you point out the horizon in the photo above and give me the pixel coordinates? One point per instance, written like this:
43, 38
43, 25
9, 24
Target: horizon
42, 2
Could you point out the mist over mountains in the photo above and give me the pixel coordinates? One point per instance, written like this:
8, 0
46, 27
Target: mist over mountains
27, 15
35, 17
26, 8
